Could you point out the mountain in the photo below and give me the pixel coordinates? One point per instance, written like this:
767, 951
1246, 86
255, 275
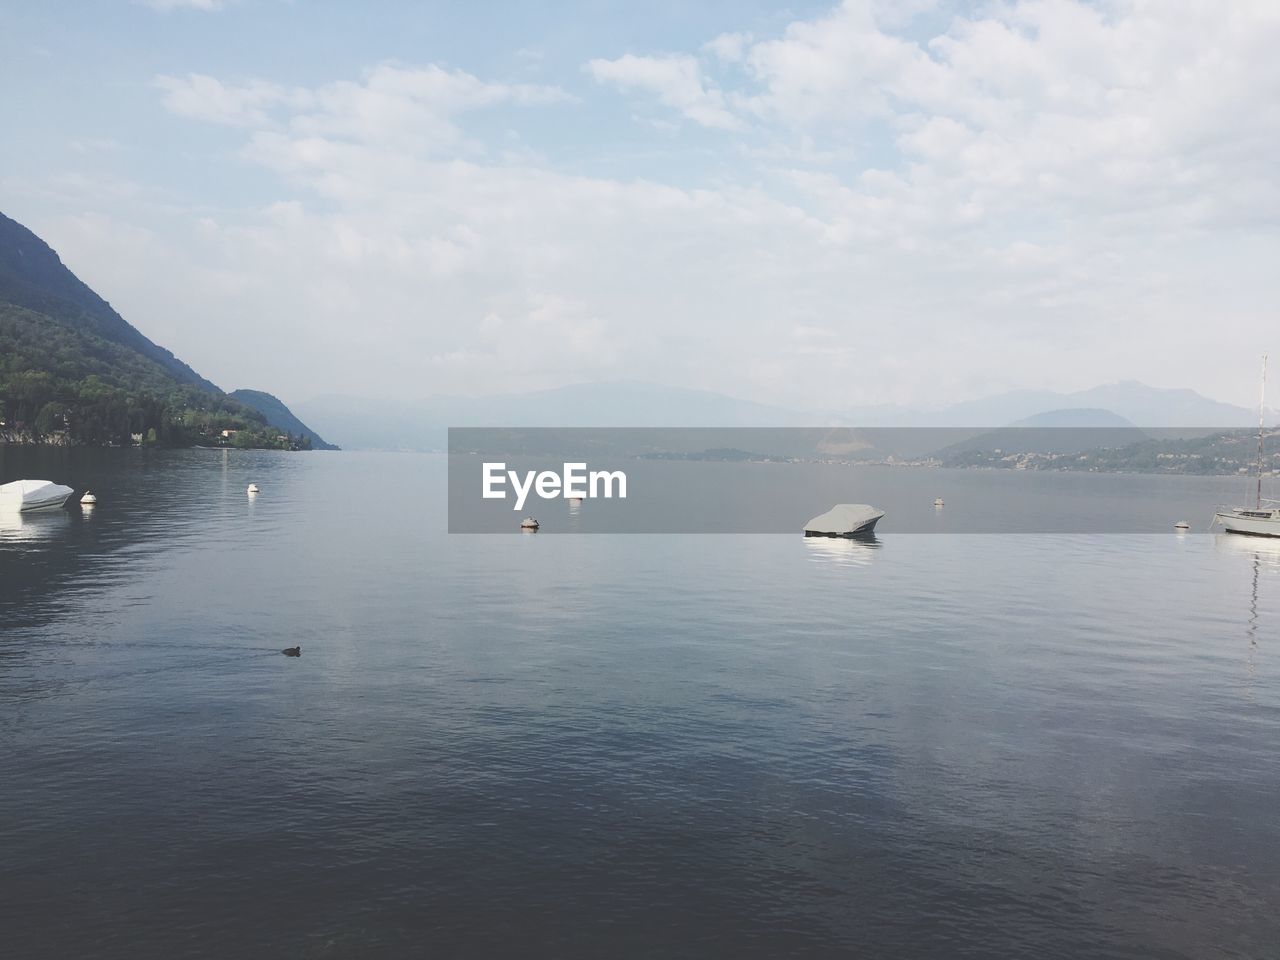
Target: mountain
1046, 439
1161, 407
1129, 400
280, 416
1059, 431
423, 424
72, 370
33, 276
1081, 417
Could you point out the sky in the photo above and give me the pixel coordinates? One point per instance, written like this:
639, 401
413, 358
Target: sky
821, 206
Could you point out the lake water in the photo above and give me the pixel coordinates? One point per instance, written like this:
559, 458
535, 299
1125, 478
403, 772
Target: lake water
1050, 746
671, 496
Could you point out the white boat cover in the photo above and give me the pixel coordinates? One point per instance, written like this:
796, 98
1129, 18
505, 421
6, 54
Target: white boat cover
32, 494
844, 520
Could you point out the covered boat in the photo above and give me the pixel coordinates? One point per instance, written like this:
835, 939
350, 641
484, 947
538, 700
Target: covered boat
844, 520
26, 495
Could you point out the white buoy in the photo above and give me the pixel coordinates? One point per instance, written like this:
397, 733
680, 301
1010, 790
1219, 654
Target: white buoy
1182, 525
253, 488
937, 501
528, 523
88, 499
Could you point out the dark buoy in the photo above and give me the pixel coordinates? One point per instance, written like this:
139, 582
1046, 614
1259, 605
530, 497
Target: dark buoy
292, 652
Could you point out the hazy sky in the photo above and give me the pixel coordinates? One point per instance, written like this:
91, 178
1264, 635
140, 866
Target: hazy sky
820, 206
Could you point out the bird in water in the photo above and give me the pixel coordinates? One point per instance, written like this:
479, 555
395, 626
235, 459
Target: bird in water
292, 651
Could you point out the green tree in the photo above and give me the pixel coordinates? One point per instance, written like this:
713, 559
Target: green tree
52, 416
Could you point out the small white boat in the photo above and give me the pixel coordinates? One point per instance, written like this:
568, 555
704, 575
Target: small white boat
938, 502
528, 523
88, 499
253, 488
844, 520
1182, 525
23, 496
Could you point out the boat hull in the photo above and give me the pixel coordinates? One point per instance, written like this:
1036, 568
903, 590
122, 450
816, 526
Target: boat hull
26, 496
51, 503
866, 530
1248, 526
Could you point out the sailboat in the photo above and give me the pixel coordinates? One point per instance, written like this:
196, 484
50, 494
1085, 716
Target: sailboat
1258, 520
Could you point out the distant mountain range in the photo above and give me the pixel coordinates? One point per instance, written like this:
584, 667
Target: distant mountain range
1091, 417
1133, 402
71, 366
73, 370
422, 424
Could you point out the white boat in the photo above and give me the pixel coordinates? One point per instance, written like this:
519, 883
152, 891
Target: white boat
844, 520
939, 502
253, 488
528, 523
1263, 518
24, 496
1260, 522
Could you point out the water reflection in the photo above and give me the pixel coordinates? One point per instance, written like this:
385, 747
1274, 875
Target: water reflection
38, 525
1252, 629
1266, 550
1264, 556
851, 551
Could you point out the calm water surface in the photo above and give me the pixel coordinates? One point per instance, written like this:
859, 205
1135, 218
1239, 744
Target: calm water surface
1051, 746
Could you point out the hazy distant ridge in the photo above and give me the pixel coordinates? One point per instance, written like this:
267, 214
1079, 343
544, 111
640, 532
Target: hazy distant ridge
422, 424
280, 416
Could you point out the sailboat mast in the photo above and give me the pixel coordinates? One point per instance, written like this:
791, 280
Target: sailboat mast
1262, 401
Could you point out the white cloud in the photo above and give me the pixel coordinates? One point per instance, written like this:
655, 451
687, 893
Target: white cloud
728, 47
676, 81
394, 102
837, 68
250, 104
165, 6
391, 101
1053, 99
1046, 193
1037, 105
